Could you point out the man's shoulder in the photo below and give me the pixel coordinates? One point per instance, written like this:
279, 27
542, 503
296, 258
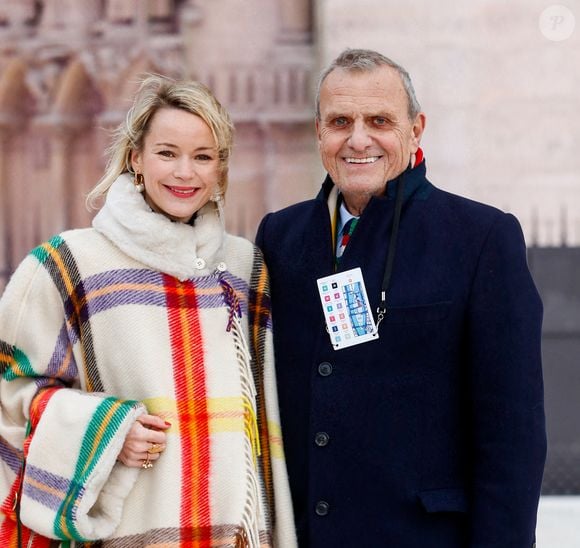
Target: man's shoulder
296, 210
294, 215
464, 209
471, 220
291, 221
461, 202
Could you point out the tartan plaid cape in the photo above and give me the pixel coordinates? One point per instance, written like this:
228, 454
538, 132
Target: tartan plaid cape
141, 314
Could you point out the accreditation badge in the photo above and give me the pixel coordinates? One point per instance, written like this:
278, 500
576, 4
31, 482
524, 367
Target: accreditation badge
346, 307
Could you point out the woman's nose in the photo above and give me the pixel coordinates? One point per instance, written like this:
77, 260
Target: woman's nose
184, 169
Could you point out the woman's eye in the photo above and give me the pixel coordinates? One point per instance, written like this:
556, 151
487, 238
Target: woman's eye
166, 153
203, 157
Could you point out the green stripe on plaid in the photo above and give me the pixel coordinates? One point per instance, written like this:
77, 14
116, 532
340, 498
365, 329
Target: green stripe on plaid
105, 422
61, 265
14, 363
41, 252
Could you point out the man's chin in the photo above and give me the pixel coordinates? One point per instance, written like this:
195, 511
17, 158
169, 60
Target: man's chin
362, 186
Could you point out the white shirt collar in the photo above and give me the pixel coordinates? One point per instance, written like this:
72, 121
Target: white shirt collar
344, 216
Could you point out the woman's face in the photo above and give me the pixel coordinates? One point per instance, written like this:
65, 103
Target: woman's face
179, 162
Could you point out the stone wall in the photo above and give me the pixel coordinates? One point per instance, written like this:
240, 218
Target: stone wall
502, 99
68, 70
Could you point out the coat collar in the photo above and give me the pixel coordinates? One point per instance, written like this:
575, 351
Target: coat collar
152, 239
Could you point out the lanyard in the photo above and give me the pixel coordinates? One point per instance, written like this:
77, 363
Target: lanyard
382, 308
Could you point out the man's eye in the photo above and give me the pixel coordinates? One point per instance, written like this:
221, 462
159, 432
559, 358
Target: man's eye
380, 121
341, 121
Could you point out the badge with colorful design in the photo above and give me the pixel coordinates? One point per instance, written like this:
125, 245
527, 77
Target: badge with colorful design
346, 307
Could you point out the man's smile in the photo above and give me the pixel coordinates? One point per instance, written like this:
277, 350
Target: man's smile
367, 160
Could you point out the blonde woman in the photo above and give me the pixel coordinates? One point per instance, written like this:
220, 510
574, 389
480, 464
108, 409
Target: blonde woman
138, 396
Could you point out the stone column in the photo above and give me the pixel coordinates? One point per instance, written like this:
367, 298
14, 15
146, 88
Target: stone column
295, 21
160, 8
120, 11
55, 209
17, 12
5, 208
191, 18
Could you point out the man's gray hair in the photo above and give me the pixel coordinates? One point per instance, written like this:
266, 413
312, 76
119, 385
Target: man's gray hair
366, 60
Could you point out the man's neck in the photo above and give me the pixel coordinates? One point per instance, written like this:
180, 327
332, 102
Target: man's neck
355, 203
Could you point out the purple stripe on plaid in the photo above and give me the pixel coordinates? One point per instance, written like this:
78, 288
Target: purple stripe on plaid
11, 456
59, 354
54, 491
125, 296
146, 295
241, 287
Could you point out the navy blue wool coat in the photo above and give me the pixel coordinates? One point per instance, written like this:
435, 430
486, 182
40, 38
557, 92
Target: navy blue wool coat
432, 436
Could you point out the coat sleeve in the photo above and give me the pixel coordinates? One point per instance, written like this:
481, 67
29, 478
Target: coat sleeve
72, 486
509, 438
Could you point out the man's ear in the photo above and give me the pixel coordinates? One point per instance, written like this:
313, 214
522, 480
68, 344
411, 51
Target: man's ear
317, 126
417, 131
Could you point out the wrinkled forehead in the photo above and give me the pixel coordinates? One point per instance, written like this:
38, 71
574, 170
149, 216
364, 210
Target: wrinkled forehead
375, 90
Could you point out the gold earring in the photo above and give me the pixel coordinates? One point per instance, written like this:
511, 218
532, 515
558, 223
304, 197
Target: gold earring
139, 182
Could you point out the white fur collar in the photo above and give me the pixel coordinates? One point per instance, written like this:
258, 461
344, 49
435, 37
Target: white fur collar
152, 239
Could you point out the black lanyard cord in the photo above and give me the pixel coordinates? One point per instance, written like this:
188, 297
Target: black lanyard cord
382, 308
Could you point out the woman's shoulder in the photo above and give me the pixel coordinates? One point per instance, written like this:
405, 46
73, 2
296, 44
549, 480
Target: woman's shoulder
239, 245
241, 255
84, 249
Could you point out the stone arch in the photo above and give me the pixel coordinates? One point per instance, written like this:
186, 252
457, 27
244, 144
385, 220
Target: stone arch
130, 79
16, 100
77, 98
295, 20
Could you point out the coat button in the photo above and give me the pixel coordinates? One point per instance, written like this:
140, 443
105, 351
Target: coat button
324, 369
322, 508
321, 439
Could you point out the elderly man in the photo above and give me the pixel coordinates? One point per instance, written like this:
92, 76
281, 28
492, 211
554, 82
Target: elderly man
410, 390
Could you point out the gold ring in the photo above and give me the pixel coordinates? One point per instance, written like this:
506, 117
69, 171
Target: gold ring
155, 448
146, 464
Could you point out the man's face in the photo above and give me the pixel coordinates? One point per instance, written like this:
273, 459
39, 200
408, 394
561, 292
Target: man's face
364, 133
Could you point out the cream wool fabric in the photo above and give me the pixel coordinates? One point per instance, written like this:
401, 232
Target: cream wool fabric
125, 317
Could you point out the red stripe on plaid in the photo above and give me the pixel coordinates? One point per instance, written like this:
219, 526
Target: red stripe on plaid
189, 375
9, 536
9, 528
9, 504
39, 404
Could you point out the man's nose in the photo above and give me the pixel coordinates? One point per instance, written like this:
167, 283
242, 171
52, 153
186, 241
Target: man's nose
359, 139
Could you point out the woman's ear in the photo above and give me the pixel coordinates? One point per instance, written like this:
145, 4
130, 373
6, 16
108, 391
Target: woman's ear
135, 159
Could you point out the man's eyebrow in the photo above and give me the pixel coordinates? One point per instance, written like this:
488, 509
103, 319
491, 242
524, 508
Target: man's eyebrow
336, 114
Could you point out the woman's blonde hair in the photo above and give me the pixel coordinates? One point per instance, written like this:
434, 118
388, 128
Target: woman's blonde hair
156, 92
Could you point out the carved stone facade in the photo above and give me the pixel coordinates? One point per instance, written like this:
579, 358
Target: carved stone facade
501, 99
68, 69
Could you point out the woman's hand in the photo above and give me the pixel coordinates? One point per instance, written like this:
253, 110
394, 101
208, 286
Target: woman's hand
145, 442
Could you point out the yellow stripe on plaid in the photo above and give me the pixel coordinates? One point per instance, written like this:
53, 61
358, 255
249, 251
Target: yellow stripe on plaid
225, 414
276, 447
